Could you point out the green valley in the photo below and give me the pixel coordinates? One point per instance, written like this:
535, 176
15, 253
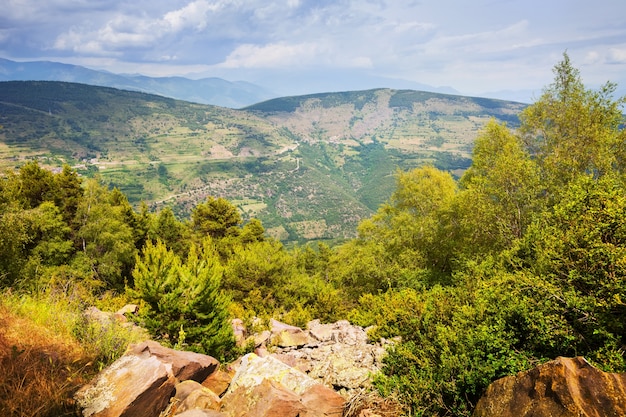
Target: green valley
309, 167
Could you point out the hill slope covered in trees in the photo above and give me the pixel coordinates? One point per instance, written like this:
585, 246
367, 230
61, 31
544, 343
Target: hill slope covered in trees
309, 167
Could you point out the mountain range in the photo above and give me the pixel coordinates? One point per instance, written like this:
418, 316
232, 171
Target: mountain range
211, 90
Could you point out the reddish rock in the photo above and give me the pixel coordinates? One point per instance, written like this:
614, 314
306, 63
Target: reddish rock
321, 401
185, 365
267, 399
142, 381
218, 381
565, 387
284, 335
131, 386
201, 413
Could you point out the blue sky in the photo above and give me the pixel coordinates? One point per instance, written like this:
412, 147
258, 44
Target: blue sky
303, 46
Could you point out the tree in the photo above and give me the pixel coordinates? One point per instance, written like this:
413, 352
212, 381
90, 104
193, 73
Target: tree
217, 218
409, 226
580, 248
170, 231
572, 130
69, 192
185, 304
106, 242
36, 184
500, 194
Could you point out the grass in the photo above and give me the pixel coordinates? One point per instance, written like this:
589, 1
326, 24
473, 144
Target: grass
47, 352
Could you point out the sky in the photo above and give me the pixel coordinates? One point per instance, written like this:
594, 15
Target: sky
300, 46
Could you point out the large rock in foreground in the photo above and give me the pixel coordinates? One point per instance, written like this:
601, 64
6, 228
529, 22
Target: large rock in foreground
142, 381
565, 387
266, 387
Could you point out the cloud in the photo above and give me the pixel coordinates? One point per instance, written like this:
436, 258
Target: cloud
616, 56
440, 43
284, 55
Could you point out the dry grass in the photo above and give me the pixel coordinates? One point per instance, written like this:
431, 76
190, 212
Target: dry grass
370, 404
40, 370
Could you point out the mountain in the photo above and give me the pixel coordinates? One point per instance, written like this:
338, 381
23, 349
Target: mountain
212, 90
309, 167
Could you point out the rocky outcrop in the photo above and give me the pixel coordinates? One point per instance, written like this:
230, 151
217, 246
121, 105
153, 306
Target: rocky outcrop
265, 386
306, 373
338, 355
565, 387
142, 381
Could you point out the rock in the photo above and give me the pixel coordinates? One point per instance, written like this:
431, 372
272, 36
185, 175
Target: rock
218, 381
128, 309
142, 381
184, 388
268, 387
253, 370
202, 413
565, 387
202, 398
284, 335
266, 399
191, 395
184, 365
239, 331
322, 401
131, 386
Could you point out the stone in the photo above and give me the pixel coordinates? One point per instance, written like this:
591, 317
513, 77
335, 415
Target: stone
218, 381
131, 386
141, 382
239, 331
202, 413
321, 401
202, 398
185, 365
252, 370
564, 387
266, 399
284, 335
128, 309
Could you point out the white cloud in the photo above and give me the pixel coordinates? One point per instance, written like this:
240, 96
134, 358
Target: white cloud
470, 47
616, 56
192, 15
273, 55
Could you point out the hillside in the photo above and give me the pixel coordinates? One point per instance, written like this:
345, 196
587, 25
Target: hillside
310, 167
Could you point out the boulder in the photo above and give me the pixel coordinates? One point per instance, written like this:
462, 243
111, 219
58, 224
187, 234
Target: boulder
565, 387
202, 413
142, 381
252, 370
239, 331
338, 355
128, 309
184, 365
322, 401
268, 398
131, 386
284, 335
218, 381
268, 387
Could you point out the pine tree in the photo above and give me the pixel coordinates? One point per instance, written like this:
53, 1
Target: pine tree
184, 301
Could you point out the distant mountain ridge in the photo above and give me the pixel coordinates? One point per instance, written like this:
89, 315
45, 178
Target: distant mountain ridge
215, 91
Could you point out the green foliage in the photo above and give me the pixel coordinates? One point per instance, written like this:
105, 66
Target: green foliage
216, 218
184, 302
573, 130
105, 239
529, 254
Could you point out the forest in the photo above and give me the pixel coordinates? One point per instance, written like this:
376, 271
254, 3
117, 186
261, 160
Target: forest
519, 261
